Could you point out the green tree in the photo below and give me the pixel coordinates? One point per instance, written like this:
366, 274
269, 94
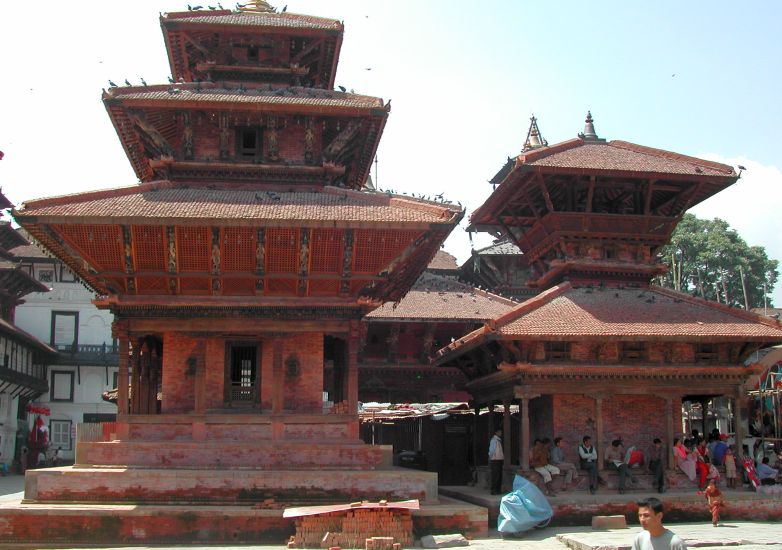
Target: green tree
711, 260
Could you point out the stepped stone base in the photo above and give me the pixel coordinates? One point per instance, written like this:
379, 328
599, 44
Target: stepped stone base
111, 525
238, 485
227, 454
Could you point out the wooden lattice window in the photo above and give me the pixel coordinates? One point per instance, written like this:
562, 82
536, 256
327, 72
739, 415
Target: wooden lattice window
706, 353
326, 251
282, 250
238, 249
238, 287
285, 287
375, 249
194, 249
320, 287
557, 351
149, 248
101, 245
632, 351
195, 285
152, 285
249, 142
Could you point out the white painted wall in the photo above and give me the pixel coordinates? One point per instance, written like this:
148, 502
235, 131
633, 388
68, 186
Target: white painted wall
94, 328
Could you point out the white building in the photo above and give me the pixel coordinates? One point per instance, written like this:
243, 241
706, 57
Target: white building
86, 366
23, 358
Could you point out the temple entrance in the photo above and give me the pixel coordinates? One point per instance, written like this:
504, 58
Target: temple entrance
244, 379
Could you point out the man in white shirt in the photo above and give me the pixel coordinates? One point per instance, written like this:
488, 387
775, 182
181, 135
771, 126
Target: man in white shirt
654, 536
496, 461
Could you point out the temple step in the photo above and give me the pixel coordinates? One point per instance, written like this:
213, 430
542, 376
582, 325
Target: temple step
230, 454
237, 486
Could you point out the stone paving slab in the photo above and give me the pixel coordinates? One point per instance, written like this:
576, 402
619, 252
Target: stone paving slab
738, 535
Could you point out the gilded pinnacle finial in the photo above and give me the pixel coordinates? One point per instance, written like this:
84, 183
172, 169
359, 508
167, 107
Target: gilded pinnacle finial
534, 138
256, 6
589, 128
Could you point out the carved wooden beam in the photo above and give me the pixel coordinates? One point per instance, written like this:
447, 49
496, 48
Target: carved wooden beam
304, 259
649, 192
216, 261
546, 196
260, 259
127, 245
340, 142
155, 138
195, 44
347, 261
312, 45
172, 259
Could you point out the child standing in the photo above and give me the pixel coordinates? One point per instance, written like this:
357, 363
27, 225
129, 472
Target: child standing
730, 468
715, 500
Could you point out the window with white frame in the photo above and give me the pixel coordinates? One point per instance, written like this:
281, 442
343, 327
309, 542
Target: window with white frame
66, 275
60, 434
62, 386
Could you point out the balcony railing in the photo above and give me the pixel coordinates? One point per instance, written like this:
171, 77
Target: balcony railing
88, 354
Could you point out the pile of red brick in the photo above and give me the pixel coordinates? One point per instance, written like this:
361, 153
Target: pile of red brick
371, 529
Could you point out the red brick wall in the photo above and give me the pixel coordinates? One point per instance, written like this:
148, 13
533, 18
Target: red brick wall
303, 393
540, 418
215, 373
571, 415
178, 386
637, 419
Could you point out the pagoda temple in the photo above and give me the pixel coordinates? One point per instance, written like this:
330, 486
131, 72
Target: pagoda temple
599, 350
238, 267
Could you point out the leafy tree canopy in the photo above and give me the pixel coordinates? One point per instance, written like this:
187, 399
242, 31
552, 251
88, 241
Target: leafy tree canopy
711, 260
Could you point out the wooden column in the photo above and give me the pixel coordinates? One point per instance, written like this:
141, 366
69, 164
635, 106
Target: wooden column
600, 443
477, 448
135, 378
278, 378
354, 340
506, 438
739, 407
122, 377
524, 395
669, 429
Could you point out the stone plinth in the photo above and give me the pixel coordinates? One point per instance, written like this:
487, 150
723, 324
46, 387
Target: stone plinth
231, 454
237, 485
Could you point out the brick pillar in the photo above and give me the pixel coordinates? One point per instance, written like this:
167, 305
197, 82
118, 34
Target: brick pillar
278, 378
353, 343
506, 438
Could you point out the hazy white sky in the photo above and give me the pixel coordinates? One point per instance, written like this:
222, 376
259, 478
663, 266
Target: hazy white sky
699, 78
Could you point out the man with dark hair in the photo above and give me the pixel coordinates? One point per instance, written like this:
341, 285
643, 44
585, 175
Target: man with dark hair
767, 474
496, 461
654, 536
656, 457
558, 460
587, 455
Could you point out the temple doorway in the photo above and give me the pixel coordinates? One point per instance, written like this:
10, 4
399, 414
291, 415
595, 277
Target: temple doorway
244, 378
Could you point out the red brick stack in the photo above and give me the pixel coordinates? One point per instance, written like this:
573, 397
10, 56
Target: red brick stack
373, 529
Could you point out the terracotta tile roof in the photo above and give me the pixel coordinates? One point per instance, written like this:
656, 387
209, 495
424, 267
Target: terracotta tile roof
443, 261
437, 298
504, 248
27, 250
653, 313
164, 200
211, 92
280, 20
621, 156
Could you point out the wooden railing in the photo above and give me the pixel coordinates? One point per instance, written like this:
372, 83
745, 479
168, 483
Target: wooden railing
96, 431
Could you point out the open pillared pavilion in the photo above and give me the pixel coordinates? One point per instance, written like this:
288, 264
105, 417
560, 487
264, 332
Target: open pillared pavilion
236, 270
601, 351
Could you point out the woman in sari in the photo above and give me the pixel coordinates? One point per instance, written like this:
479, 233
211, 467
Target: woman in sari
683, 460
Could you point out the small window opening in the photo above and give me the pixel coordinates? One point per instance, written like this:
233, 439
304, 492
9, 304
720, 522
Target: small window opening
252, 53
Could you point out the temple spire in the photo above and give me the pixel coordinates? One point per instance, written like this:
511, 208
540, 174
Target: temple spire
589, 129
534, 138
